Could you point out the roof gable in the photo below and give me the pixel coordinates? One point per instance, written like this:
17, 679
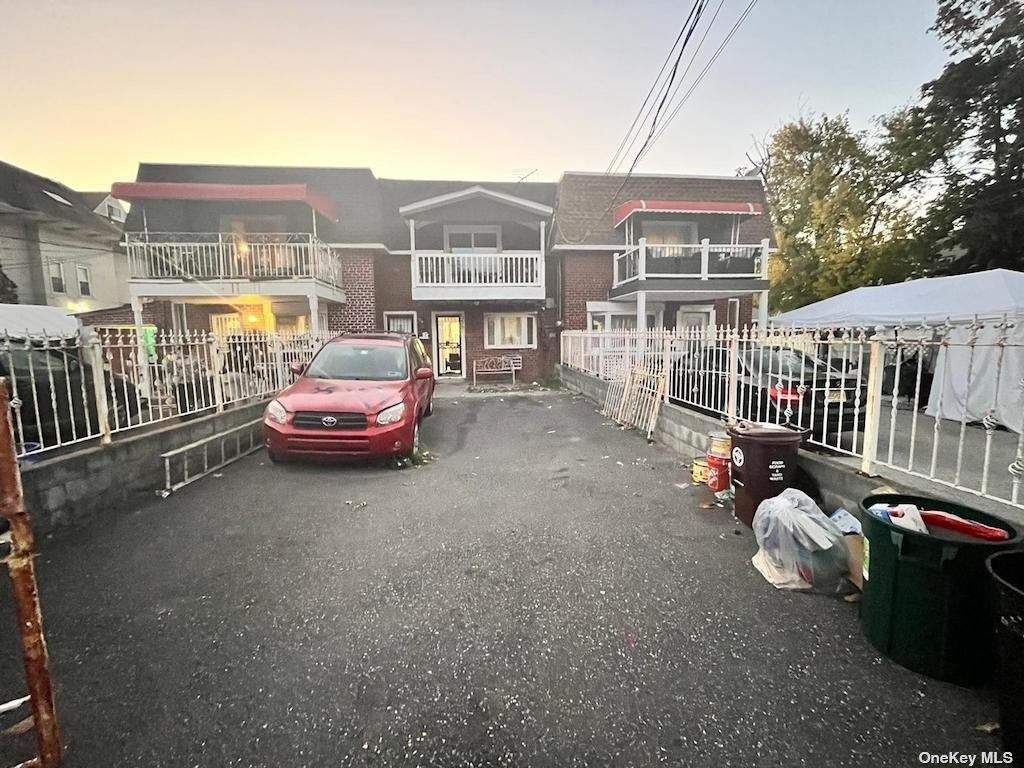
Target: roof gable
473, 192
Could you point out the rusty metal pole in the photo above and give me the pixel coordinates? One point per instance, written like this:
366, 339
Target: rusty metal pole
26, 597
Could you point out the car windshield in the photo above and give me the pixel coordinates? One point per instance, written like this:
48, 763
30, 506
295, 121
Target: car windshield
359, 362
774, 361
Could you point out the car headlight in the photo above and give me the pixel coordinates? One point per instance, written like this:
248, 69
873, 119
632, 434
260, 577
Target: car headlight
391, 415
276, 412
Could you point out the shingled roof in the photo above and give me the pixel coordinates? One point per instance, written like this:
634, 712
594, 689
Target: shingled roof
37, 197
399, 192
355, 191
586, 202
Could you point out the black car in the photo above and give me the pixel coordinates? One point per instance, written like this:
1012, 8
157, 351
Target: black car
52, 386
776, 384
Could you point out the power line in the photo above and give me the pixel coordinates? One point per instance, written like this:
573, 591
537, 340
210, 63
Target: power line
701, 76
612, 164
685, 34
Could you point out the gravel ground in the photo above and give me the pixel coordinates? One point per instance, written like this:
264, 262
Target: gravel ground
541, 593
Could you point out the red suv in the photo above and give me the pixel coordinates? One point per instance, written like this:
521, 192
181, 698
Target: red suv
361, 395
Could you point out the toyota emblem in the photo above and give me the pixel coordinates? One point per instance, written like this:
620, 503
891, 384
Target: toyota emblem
328, 421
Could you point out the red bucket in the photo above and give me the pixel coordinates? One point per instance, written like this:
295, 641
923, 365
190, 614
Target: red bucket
718, 472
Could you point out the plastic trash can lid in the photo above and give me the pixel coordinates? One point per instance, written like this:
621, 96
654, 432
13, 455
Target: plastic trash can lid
767, 432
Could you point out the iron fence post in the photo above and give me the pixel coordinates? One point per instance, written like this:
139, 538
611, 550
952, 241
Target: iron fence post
733, 383
21, 569
873, 407
94, 353
216, 364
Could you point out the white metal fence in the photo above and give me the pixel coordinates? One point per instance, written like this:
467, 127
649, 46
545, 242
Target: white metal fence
944, 403
69, 390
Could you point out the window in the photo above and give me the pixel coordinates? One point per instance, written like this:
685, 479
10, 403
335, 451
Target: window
56, 271
420, 352
84, 281
485, 238
400, 322
179, 317
510, 331
360, 362
669, 232
113, 213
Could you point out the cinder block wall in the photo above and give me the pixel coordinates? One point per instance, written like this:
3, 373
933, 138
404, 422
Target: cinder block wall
64, 489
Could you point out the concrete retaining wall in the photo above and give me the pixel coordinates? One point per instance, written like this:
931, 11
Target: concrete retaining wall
685, 432
70, 486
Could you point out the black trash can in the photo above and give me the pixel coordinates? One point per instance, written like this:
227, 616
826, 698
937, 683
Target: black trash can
1007, 571
763, 464
926, 600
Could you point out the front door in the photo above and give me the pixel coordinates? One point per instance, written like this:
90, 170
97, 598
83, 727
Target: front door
448, 335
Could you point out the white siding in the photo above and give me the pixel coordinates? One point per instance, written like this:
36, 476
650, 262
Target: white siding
15, 254
107, 269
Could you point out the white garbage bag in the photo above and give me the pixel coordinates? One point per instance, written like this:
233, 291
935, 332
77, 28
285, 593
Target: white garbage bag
799, 547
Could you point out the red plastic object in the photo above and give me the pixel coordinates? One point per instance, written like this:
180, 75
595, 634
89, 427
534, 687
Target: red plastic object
718, 472
960, 525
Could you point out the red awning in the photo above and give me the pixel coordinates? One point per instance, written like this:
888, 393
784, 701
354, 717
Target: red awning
264, 193
628, 208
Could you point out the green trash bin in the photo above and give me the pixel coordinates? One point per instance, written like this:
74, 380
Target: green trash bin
927, 597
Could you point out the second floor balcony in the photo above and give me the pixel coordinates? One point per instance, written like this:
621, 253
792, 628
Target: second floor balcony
698, 261
226, 256
508, 275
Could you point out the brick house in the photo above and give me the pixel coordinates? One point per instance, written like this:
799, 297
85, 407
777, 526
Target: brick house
661, 251
476, 269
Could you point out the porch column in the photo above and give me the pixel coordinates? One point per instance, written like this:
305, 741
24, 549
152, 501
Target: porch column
141, 353
314, 314
762, 309
413, 272
641, 310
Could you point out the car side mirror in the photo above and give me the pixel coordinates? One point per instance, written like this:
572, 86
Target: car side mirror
424, 373
296, 368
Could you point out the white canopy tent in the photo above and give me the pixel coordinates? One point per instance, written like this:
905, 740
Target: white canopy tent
19, 320
987, 297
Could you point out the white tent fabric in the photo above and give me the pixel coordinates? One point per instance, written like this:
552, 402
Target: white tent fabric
960, 299
16, 320
966, 383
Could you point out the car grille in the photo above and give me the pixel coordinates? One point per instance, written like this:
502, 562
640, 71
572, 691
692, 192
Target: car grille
315, 420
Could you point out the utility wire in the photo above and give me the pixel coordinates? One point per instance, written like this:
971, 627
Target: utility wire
685, 34
700, 77
614, 162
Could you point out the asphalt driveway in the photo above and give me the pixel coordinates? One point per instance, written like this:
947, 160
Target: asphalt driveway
542, 593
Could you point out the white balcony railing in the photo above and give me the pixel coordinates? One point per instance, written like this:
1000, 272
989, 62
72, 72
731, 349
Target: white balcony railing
703, 261
506, 274
228, 256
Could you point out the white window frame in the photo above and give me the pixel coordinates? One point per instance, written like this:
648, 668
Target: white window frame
179, 317
524, 318
708, 309
406, 313
734, 312
63, 279
79, 269
607, 309
462, 229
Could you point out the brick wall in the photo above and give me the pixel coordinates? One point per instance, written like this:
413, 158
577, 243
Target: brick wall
585, 277
394, 294
359, 312
156, 313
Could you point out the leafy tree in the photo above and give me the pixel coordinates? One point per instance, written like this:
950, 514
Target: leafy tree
967, 137
839, 216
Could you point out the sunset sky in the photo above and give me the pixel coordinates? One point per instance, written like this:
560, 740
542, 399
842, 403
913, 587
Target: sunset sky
488, 89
